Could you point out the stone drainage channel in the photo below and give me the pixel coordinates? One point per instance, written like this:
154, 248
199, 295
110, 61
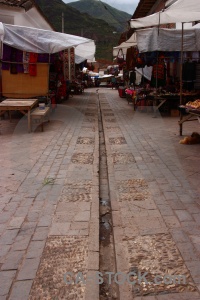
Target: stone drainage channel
108, 289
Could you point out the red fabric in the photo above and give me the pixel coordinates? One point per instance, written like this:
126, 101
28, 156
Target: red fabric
33, 67
131, 58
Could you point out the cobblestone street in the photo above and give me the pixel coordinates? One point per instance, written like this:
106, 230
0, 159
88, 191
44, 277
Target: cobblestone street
51, 186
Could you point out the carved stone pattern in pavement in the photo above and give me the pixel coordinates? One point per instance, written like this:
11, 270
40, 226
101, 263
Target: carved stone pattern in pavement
82, 158
85, 140
158, 256
117, 141
133, 189
61, 255
123, 158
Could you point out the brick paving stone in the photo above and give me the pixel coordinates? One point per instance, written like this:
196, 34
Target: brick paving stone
21, 290
40, 234
59, 229
12, 260
4, 249
28, 269
183, 215
79, 225
21, 211
45, 221
28, 228
179, 235
176, 204
188, 251
5, 217
9, 236
196, 217
82, 216
16, 222
35, 249
6, 278
165, 210
193, 209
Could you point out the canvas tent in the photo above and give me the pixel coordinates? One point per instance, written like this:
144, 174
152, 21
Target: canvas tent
181, 11
85, 51
125, 45
38, 40
151, 39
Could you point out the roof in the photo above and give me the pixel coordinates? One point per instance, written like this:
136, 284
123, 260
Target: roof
144, 6
26, 4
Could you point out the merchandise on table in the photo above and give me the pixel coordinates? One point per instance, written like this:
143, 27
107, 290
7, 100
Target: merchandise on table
194, 104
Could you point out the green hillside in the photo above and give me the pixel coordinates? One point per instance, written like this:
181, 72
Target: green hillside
101, 10
81, 24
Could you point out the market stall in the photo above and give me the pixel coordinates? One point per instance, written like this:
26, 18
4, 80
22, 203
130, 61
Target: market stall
167, 42
31, 55
181, 11
125, 45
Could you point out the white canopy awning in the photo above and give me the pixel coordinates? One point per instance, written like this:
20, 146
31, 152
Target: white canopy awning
85, 51
180, 11
150, 39
38, 40
125, 45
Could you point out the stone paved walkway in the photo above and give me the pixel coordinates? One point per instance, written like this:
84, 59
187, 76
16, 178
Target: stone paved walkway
50, 204
154, 188
49, 187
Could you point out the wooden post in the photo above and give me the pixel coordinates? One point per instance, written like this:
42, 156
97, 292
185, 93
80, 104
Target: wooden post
181, 80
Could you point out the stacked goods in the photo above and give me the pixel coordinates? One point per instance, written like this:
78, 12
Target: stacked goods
194, 104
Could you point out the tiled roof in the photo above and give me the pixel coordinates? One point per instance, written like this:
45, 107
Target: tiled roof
143, 8
26, 4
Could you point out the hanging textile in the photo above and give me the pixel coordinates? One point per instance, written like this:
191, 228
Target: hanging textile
19, 60
6, 57
26, 56
43, 58
120, 59
131, 57
159, 73
33, 67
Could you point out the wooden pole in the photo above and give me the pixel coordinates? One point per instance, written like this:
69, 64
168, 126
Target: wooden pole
181, 80
63, 24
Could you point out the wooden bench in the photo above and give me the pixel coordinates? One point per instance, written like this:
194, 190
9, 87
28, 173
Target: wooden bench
40, 116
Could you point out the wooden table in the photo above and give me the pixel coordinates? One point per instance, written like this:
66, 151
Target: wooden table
189, 115
160, 99
22, 105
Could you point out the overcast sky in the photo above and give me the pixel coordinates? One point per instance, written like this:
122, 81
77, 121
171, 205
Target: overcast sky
125, 5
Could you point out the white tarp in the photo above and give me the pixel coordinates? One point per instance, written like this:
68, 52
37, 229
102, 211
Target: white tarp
38, 40
125, 45
152, 39
85, 51
180, 11
146, 72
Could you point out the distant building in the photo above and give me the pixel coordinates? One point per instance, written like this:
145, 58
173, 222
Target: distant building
23, 13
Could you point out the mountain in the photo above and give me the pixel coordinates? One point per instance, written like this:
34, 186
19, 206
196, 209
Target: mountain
81, 24
103, 11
